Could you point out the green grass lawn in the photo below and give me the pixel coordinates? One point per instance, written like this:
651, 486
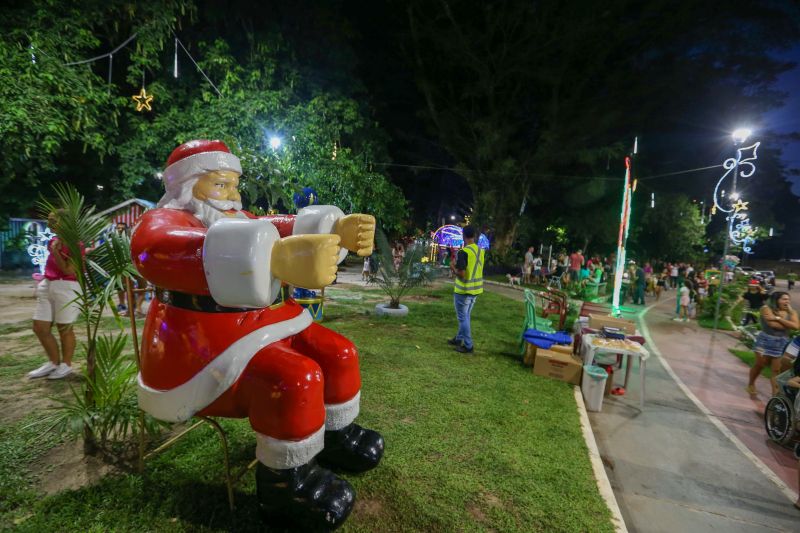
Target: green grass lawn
473, 443
723, 323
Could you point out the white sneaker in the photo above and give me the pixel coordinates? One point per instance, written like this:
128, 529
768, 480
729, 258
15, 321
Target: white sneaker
677, 319
42, 371
63, 370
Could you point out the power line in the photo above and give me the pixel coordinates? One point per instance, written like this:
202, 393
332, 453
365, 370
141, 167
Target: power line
490, 173
688, 171
551, 176
109, 54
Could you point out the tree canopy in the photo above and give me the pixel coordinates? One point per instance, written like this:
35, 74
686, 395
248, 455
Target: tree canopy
530, 98
87, 130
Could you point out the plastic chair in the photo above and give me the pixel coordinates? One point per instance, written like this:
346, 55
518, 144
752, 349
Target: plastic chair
531, 320
555, 281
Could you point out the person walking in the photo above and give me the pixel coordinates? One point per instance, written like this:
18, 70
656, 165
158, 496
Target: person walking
777, 319
468, 270
527, 267
755, 296
639, 285
537, 269
684, 299
55, 303
673, 276
575, 263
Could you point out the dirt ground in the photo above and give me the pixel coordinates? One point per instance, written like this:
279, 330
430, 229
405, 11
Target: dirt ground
64, 466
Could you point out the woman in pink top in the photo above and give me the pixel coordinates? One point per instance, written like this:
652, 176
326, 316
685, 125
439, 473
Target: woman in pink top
54, 303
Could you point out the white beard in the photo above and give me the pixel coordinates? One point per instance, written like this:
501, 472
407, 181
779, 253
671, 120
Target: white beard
209, 211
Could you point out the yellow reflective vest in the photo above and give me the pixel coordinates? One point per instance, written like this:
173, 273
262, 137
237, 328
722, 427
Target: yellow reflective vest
473, 279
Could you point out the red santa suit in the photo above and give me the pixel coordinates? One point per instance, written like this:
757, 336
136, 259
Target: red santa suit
213, 342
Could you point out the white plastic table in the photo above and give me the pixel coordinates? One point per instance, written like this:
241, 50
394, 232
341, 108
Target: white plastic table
592, 346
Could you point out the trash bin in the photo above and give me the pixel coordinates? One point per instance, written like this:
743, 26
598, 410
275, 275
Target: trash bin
593, 385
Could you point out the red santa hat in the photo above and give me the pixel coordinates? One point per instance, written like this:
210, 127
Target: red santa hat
194, 158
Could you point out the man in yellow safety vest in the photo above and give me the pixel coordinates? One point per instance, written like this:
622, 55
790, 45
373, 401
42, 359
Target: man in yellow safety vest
468, 270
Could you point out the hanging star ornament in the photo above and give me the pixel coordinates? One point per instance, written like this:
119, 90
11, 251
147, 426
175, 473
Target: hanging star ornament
143, 100
740, 206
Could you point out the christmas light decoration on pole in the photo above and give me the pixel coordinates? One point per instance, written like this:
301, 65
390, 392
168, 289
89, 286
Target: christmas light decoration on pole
624, 226
740, 232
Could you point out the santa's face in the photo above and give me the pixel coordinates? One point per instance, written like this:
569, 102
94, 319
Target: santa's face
218, 186
215, 196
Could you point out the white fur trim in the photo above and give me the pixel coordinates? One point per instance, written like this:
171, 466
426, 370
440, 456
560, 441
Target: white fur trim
196, 165
182, 402
340, 415
236, 260
318, 219
283, 454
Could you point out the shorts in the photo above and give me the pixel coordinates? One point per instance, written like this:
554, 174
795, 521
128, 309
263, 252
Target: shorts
685, 300
528, 270
769, 345
54, 301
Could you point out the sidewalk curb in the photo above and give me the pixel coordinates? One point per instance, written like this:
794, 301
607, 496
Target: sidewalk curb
505, 285
603, 483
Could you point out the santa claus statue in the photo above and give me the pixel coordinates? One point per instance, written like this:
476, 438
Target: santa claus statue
217, 342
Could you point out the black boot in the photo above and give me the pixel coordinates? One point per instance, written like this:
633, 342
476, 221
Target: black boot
352, 448
305, 498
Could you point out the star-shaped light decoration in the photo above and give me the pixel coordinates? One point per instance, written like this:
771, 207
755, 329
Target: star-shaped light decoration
143, 100
740, 206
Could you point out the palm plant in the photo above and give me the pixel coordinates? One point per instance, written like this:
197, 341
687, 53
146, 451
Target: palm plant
395, 282
101, 274
113, 412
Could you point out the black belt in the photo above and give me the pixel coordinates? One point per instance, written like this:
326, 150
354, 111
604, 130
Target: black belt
194, 302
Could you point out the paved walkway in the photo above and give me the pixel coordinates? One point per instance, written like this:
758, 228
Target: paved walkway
672, 465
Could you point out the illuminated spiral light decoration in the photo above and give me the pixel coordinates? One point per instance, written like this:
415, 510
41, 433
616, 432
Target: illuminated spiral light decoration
37, 250
740, 231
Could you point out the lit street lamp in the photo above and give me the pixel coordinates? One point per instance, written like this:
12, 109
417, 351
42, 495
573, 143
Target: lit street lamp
740, 135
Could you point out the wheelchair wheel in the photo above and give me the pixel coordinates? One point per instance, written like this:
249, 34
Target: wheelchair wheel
779, 419
797, 450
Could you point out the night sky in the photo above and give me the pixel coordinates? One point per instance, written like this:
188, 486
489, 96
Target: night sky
786, 120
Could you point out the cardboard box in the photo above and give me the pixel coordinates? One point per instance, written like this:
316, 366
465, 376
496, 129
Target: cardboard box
558, 365
598, 321
530, 351
563, 348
